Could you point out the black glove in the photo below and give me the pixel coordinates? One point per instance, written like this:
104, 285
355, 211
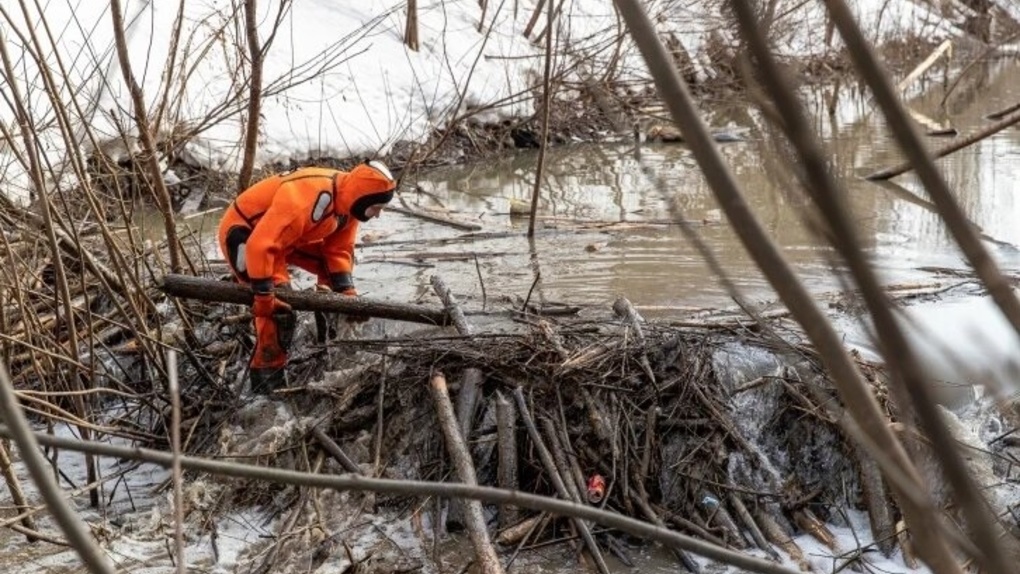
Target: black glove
343, 284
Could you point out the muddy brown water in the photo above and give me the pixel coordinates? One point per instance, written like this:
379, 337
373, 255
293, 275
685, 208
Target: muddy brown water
664, 275
651, 263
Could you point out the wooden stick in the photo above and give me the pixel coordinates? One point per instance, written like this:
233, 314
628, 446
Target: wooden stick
535, 530
516, 532
692, 526
463, 226
17, 494
575, 467
903, 538
468, 396
506, 474
752, 527
467, 401
642, 501
461, 458
957, 145
774, 534
78, 534
927, 63
1003, 113
560, 459
646, 454
625, 310
808, 522
719, 518
212, 290
175, 468
453, 309
557, 480
335, 451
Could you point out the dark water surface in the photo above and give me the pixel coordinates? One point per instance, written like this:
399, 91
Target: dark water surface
655, 267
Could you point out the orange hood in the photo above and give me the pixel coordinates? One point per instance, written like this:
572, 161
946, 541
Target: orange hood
368, 184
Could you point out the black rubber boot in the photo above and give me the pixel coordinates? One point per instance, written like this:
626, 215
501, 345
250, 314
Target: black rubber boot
267, 379
325, 326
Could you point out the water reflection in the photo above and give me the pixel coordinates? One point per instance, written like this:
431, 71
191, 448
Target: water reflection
650, 263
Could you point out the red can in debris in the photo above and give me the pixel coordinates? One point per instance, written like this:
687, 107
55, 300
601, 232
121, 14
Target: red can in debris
596, 490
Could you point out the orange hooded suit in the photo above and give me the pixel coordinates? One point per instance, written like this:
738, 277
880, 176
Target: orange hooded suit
308, 217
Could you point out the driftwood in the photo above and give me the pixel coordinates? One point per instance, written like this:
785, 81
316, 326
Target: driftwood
951, 148
434, 218
876, 498
474, 521
467, 401
453, 309
946, 46
808, 522
212, 290
520, 530
1003, 113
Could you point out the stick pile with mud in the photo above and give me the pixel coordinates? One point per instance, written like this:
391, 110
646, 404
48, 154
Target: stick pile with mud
715, 433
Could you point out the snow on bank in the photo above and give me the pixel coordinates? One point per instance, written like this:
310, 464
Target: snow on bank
338, 79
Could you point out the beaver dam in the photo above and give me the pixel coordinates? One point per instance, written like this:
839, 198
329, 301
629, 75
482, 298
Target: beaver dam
716, 441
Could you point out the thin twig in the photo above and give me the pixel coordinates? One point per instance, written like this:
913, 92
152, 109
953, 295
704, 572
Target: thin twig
175, 467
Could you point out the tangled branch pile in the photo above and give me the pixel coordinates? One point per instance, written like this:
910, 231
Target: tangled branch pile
714, 434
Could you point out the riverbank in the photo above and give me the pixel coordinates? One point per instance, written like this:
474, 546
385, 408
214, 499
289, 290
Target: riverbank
683, 418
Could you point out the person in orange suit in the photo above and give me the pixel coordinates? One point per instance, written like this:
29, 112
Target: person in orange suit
309, 218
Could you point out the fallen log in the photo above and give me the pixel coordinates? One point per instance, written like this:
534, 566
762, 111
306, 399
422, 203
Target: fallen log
204, 289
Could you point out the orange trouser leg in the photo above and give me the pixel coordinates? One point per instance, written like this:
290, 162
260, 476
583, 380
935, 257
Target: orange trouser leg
269, 352
311, 259
268, 361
